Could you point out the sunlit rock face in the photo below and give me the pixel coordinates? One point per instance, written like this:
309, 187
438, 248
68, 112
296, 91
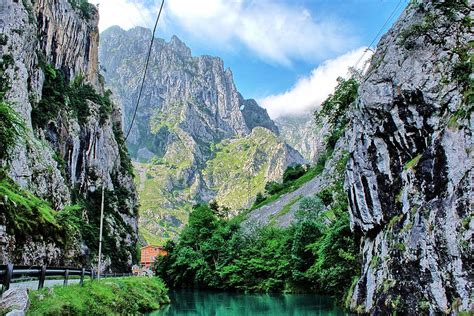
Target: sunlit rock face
64, 159
409, 175
302, 133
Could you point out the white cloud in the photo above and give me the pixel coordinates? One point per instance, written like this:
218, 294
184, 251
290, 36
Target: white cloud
125, 13
309, 92
276, 32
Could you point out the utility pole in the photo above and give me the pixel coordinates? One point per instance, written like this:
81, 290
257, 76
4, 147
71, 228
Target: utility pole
248, 190
101, 228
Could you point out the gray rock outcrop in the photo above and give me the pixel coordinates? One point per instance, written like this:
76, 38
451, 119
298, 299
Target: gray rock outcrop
255, 116
15, 302
194, 94
410, 170
303, 134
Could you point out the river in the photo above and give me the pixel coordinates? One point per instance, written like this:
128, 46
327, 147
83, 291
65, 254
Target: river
195, 302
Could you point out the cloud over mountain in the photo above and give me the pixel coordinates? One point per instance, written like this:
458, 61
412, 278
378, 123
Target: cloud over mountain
309, 92
276, 32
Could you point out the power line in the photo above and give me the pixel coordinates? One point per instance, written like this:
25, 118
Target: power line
386, 22
145, 70
128, 133
391, 16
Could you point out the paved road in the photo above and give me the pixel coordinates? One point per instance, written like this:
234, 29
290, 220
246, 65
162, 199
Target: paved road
263, 215
33, 285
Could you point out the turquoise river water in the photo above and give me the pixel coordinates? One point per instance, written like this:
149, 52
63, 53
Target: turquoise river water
194, 302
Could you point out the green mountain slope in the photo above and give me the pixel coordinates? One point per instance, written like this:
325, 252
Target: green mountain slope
236, 172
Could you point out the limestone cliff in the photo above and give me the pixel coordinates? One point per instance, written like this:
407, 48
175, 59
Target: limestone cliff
409, 176
255, 116
72, 145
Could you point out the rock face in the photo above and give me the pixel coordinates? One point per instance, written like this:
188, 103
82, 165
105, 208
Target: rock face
410, 170
64, 158
15, 301
190, 115
193, 94
303, 134
254, 116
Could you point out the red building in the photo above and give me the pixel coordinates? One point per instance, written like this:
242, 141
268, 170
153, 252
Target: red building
150, 253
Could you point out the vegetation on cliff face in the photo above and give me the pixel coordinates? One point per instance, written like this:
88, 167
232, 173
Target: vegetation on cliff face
84, 7
240, 166
124, 296
11, 129
164, 205
60, 96
30, 218
334, 109
27, 216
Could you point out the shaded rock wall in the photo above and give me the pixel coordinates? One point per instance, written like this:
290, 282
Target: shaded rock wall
46, 33
410, 168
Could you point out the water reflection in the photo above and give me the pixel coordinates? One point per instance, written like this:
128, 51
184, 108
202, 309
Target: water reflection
194, 302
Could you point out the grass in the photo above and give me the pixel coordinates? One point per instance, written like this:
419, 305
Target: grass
11, 129
293, 185
85, 8
285, 209
236, 177
412, 163
158, 204
394, 220
26, 210
171, 118
124, 296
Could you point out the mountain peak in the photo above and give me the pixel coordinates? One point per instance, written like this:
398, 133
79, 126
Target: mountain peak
178, 46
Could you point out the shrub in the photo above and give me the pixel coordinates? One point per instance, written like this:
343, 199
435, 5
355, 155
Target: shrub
59, 96
125, 161
27, 216
84, 7
334, 108
124, 296
294, 172
11, 128
273, 187
259, 198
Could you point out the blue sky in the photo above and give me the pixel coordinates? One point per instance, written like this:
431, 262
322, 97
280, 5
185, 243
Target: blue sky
286, 54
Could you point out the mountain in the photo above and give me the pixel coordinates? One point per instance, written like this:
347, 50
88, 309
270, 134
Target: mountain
190, 118
409, 175
62, 142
